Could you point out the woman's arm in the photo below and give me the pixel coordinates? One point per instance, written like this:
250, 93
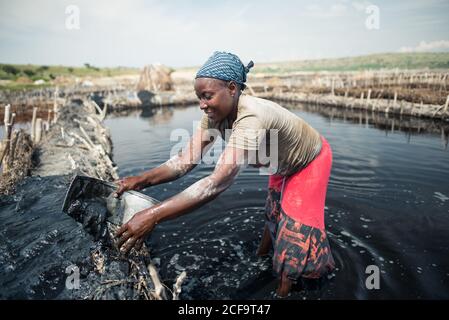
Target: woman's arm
180, 164
204, 190
229, 165
172, 169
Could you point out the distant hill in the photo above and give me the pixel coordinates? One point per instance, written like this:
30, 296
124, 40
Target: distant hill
24, 75
430, 60
47, 73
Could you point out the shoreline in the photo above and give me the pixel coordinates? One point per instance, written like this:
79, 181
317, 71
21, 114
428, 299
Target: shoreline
384, 106
76, 142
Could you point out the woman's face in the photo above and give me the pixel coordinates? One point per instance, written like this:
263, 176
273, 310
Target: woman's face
217, 97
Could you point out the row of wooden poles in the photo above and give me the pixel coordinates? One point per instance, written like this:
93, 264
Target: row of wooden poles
366, 100
362, 94
38, 126
333, 82
368, 96
379, 79
42, 96
6, 143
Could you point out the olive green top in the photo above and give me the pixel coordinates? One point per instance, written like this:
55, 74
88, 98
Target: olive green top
261, 124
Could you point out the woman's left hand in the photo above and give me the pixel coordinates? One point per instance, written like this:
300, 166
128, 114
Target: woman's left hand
133, 233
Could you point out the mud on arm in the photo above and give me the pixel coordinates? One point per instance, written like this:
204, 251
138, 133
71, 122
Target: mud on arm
231, 162
181, 163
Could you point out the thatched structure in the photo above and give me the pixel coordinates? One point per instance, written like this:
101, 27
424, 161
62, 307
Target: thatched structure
155, 78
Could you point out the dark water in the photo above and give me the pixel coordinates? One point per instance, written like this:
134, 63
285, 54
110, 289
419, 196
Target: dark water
40, 247
38, 242
387, 205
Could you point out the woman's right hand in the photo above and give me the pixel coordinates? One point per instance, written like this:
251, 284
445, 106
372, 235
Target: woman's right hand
129, 183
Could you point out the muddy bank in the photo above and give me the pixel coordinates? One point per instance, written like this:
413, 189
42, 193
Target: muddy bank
77, 141
44, 253
47, 99
117, 100
17, 160
145, 99
389, 123
429, 87
365, 103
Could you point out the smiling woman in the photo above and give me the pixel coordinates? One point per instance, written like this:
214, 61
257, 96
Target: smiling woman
294, 224
213, 98
222, 70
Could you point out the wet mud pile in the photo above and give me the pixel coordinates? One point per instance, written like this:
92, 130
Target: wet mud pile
18, 161
77, 141
47, 254
385, 106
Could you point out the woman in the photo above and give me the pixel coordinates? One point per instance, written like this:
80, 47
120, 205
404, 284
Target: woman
301, 164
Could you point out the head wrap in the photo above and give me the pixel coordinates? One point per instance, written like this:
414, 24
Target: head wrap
225, 66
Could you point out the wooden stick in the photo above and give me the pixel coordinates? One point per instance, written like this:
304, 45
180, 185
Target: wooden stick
38, 130
55, 105
33, 124
177, 285
437, 110
446, 105
96, 106
72, 162
159, 288
6, 120
105, 110
88, 139
12, 120
9, 121
88, 146
16, 137
49, 119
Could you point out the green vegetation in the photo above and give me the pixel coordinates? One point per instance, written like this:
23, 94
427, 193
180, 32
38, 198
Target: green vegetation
421, 60
22, 76
21, 86
47, 73
430, 60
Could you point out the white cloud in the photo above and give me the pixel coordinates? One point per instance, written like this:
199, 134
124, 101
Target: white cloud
242, 11
423, 46
182, 33
360, 5
317, 11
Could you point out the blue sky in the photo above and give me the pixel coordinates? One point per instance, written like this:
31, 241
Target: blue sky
185, 33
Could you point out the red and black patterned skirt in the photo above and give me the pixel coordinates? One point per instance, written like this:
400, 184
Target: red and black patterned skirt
295, 218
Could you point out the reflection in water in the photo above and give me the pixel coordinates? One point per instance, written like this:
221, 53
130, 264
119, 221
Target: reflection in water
154, 114
385, 122
159, 115
386, 206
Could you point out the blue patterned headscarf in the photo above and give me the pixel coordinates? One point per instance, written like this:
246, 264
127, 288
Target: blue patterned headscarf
225, 66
